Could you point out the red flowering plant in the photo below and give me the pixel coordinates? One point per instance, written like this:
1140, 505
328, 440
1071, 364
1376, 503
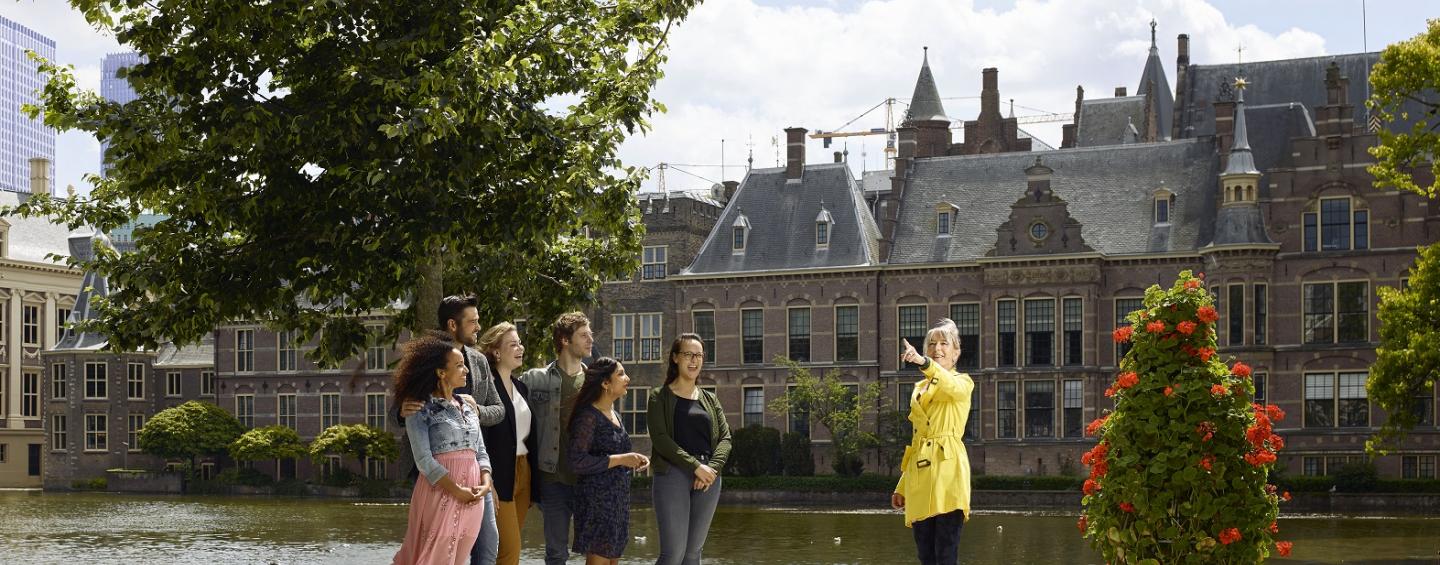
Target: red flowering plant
1179, 471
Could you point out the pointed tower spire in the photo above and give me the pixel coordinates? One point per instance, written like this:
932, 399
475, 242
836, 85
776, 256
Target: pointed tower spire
1239, 221
1153, 48
1242, 160
1153, 79
925, 103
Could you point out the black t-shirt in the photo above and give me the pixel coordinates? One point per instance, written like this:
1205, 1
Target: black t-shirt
692, 427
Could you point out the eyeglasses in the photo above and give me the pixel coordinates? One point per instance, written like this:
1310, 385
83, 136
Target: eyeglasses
691, 355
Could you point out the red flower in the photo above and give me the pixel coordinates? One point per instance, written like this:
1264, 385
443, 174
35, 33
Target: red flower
1094, 426
1155, 327
1109, 392
1169, 390
1285, 496
1260, 457
1207, 314
1207, 461
1205, 353
1241, 370
1082, 524
1283, 547
1274, 413
1187, 327
1192, 284
1206, 430
1200, 276
1122, 334
1276, 442
1230, 536
1126, 506
1274, 528
1219, 390
1091, 487
1270, 489
1127, 380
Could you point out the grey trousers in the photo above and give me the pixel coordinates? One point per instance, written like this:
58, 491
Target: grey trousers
557, 505
487, 546
683, 515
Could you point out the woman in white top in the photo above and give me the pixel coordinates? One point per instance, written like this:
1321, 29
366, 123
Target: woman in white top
510, 442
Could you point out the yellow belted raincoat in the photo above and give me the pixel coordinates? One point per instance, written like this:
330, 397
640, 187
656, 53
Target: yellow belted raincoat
935, 473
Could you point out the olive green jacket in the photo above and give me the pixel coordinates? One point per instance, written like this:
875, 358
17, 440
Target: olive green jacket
664, 452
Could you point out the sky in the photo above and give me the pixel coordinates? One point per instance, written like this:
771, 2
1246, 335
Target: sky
743, 70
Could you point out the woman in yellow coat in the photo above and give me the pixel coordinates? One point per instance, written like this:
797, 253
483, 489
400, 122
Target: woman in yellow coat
934, 486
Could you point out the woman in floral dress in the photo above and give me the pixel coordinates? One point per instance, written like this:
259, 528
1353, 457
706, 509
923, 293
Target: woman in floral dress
601, 456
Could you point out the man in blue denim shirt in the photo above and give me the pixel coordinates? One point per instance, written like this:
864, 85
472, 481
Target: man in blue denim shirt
552, 391
459, 317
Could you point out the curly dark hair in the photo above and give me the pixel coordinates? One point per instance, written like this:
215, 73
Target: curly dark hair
595, 376
416, 378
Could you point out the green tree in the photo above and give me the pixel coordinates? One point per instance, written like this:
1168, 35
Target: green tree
1179, 473
357, 440
1408, 359
188, 431
267, 443
833, 404
318, 161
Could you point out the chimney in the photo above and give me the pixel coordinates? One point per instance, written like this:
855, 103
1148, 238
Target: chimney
990, 92
1182, 84
730, 187
1120, 92
794, 153
1183, 48
39, 175
1068, 131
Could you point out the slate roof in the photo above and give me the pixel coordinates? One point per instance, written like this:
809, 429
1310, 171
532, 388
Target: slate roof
82, 246
876, 181
195, 355
1110, 191
782, 224
1164, 99
1108, 121
31, 239
1271, 128
925, 102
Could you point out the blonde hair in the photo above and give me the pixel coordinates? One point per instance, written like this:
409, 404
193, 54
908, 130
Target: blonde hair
946, 327
490, 338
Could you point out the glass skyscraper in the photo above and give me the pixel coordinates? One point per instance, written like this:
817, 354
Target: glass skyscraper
115, 89
21, 138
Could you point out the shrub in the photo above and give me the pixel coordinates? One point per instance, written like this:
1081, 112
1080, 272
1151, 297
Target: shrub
848, 464
795, 455
247, 477
755, 451
1356, 477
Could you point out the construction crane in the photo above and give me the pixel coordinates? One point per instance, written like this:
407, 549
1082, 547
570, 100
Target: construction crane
889, 130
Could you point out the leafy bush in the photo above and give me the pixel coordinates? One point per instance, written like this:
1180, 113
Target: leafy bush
375, 488
848, 464
267, 443
795, 456
188, 431
1357, 477
1004, 482
755, 451
340, 477
247, 477
1179, 474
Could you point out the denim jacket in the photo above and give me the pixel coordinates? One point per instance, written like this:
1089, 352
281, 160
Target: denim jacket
550, 392
441, 427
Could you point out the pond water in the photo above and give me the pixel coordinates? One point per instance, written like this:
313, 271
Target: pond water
43, 527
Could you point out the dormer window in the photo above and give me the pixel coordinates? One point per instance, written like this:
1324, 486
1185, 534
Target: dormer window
945, 214
1164, 204
823, 222
739, 234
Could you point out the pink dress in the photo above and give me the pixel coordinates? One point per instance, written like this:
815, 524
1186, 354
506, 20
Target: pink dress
443, 529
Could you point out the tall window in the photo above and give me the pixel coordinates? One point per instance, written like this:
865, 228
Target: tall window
172, 383
95, 380
62, 319
822, 234
737, 242
799, 421
799, 332
96, 432
1040, 334
704, 324
1336, 400
245, 409
329, 410
1237, 314
59, 432
286, 356
1339, 227
244, 351
752, 335
942, 223
30, 395
623, 342
650, 337
133, 423
1337, 312
754, 414
653, 260
1417, 467
1123, 308
1005, 327
285, 410
135, 381
375, 410
972, 422
912, 327
1005, 409
207, 383
30, 325
1423, 406
1039, 408
1074, 399
375, 352
632, 411
1162, 210
847, 333
58, 390
1262, 394
1261, 311
1073, 321
967, 320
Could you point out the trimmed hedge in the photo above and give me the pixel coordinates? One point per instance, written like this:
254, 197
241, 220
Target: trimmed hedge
1324, 484
885, 483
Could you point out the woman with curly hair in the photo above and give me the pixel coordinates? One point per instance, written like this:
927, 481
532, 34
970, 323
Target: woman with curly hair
447, 505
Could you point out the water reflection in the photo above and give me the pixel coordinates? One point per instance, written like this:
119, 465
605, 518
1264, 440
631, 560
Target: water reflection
47, 528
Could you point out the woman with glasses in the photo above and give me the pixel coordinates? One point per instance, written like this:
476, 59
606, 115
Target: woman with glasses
690, 441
